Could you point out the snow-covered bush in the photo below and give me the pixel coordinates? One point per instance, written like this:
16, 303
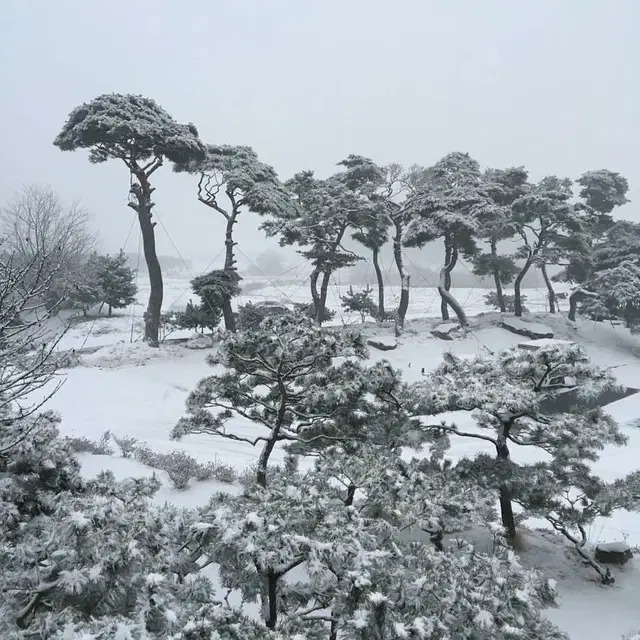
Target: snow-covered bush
82, 444
492, 300
182, 468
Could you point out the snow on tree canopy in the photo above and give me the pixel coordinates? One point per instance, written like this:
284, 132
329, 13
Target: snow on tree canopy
130, 127
246, 180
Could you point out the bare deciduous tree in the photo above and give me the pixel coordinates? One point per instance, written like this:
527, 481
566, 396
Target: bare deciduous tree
39, 228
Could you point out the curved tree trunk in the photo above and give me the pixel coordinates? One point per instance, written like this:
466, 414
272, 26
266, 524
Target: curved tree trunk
517, 286
143, 205
404, 278
376, 268
497, 279
551, 292
450, 261
574, 298
229, 265
448, 299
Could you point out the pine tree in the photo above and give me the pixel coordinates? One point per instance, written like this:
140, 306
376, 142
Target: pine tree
447, 196
117, 281
141, 134
246, 183
321, 212
513, 398
503, 187
544, 218
359, 302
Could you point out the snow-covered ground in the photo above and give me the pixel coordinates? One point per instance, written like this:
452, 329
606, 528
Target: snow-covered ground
129, 389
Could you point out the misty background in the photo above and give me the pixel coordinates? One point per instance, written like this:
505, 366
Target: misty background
549, 85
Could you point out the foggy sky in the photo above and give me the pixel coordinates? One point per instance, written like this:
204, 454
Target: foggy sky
552, 85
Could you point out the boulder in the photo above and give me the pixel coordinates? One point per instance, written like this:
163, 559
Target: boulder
527, 329
199, 341
613, 553
383, 343
447, 331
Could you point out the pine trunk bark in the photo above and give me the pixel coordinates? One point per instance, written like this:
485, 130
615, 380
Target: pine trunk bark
380, 280
449, 301
404, 278
497, 279
517, 286
551, 292
506, 504
315, 296
322, 301
143, 205
229, 265
450, 261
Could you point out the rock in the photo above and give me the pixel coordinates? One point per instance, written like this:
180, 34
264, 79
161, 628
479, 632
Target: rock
613, 553
447, 331
199, 341
528, 329
383, 343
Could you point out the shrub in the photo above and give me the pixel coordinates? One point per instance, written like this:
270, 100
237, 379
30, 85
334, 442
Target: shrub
96, 447
251, 315
491, 300
308, 309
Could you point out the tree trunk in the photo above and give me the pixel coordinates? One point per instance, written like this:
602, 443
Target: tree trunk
100, 308
110, 310
229, 265
272, 595
142, 192
448, 300
496, 278
506, 505
404, 278
376, 267
551, 292
450, 261
315, 296
322, 301
517, 286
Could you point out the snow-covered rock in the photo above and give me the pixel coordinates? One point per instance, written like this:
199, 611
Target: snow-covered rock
448, 331
531, 330
383, 343
199, 341
613, 553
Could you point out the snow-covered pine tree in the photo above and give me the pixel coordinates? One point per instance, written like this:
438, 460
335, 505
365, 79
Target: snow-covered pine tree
275, 377
503, 187
360, 302
514, 399
140, 133
326, 568
117, 281
236, 173
611, 290
321, 212
444, 207
372, 221
543, 218
83, 289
